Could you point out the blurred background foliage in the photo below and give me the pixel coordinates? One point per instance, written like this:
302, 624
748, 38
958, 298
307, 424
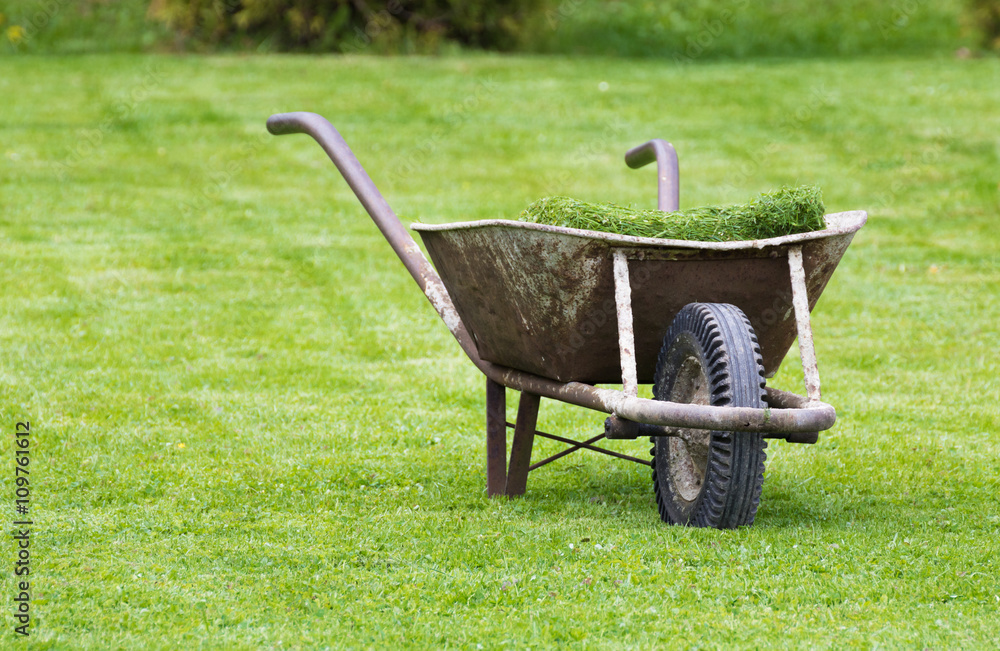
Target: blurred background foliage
684, 30
982, 18
346, 25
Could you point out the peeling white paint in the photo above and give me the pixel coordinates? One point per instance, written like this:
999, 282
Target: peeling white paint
800, 301
439, 298
626, 336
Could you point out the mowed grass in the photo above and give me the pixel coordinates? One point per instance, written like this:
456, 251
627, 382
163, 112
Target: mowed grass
252, 431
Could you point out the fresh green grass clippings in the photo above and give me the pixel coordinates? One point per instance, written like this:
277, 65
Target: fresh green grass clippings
772, 214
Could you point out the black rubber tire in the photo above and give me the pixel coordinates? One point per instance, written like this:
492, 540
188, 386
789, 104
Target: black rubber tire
710, 355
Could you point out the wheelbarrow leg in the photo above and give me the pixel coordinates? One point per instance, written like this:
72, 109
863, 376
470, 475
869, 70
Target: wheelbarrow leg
496, 438
524, 437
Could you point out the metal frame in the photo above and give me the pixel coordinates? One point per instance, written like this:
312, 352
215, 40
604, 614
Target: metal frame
667, 171
791, 417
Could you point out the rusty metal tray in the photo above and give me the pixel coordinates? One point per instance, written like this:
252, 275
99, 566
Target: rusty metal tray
541, 298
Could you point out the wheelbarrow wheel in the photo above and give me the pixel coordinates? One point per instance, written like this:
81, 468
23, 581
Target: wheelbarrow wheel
710, 356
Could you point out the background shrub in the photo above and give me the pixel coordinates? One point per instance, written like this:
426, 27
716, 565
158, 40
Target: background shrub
346, 25
983, 16
680, 30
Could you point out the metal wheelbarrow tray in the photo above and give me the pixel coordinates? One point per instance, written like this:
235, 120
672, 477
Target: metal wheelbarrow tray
551, 312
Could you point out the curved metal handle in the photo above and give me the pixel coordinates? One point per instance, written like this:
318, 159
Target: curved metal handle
378, 208
340, 153
667, 170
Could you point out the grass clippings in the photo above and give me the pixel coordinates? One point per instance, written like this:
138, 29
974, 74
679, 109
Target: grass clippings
772, 214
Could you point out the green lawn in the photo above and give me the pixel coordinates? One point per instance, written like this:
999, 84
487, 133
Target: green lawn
253, 431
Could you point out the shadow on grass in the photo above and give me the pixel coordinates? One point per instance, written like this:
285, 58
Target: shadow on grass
588, 489
583, 489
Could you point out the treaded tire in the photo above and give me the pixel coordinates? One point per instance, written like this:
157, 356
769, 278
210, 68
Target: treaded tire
710, 355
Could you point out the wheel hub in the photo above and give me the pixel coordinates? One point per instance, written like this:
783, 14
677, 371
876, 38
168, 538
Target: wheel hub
689, 451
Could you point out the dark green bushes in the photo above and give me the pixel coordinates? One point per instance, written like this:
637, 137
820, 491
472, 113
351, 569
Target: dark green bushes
983, 16
679, 30
346, 25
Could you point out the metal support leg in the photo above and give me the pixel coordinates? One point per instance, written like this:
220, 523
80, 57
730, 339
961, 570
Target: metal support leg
524, 437
800, 301
626, 336
496, 438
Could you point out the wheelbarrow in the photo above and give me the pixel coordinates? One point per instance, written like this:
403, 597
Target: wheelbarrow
552, 312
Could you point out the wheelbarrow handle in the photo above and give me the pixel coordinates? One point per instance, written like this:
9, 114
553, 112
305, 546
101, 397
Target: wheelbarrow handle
667, 170
378, 208
357, 178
